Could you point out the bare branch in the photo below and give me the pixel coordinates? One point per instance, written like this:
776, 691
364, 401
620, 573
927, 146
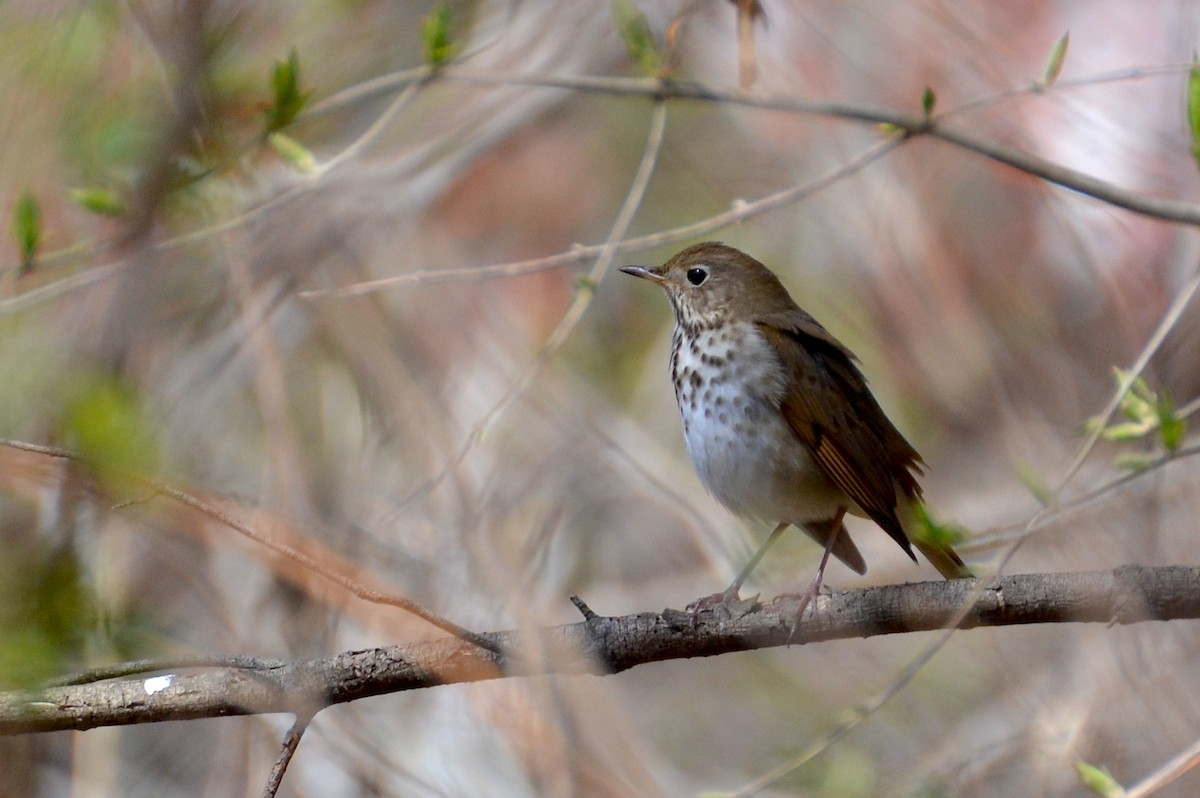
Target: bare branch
291, 741
607, 645
1177, 766
913, 124
740, 211
311, 563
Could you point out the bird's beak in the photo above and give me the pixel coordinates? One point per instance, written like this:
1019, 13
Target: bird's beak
645, 272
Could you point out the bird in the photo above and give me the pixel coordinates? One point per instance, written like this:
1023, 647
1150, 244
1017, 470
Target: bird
778, 419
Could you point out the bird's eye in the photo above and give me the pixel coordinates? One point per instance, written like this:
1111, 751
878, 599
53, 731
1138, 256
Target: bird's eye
697, 276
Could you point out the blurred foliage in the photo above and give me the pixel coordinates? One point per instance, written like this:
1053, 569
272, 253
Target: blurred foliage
104, 201
436, 36
288, 100
935, 531
1055, 61
293, 152
27, 228
1032, 479
1099, 780
1193, 107
928, 102
637, 36
47, 612
990, 304
850, 773
1145, 411
104, 421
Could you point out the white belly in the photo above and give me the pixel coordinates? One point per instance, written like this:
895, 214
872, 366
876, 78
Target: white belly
744, 451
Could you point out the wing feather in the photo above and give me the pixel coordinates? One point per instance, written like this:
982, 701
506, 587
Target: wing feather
834, 414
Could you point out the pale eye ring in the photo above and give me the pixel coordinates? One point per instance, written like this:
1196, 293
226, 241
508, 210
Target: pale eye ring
697, 275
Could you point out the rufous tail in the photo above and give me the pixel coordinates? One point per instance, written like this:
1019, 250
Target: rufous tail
914, 519
944, 558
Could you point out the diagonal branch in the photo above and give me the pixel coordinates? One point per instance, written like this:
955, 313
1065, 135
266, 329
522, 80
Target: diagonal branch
310, 562
1165, 209
603, 645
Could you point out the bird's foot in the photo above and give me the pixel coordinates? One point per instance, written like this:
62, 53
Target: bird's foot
806, 600
728, 605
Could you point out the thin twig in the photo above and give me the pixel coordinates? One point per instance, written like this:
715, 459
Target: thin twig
1167, 210
1120, 75
1168, 322
1170, 318
316, 566
583, 298
857, 716
587, 612
291, 741
99, 273
740, 211
912, 124
1169, 772
1020, 531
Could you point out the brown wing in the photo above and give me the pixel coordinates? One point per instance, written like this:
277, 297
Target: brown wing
834, 414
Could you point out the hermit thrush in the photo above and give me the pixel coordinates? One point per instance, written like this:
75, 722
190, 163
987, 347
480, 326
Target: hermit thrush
778, 420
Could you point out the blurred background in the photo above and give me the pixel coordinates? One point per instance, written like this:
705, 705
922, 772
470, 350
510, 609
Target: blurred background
173, 318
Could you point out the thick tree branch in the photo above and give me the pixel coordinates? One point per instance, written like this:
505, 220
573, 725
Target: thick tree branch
600, 645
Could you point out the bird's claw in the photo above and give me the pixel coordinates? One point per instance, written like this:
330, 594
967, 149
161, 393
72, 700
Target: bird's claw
806, 600
727, 605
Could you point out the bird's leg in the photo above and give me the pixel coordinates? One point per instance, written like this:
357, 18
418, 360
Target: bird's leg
735, 588
731, 596
815, 588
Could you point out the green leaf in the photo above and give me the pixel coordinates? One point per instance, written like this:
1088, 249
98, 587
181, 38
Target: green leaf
293, 152
48, 611
288, 100
1193, 106
634, 30
103, 201
105, 422
1033, 480
1171, 426
934, 531
1138, 402
435, 33
1134, 461
1099, 780
27, 228
1137, 406
1139, 388
1145, 410
47, 614
928, 101
1054, 63
1127, 432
